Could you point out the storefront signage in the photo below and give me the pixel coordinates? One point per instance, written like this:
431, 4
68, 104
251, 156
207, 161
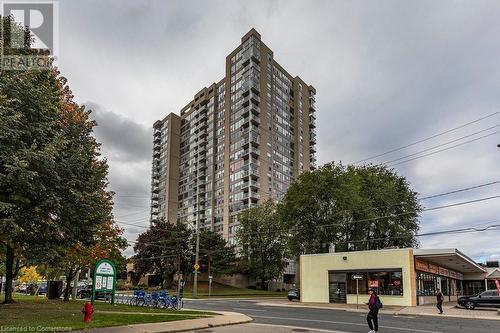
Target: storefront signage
373, 284
421, 265
433, 269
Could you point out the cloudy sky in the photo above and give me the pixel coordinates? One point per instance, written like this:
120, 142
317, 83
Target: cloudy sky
387, 74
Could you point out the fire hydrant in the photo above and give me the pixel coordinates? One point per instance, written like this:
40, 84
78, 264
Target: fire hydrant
87, 312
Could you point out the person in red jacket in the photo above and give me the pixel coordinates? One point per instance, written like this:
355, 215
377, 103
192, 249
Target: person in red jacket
372, 317
87, 312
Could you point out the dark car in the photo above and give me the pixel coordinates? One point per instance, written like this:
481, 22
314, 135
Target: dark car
488, 298
293, 294
86, 292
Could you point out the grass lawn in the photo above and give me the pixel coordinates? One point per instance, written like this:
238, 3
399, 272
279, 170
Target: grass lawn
36, 311
221, 290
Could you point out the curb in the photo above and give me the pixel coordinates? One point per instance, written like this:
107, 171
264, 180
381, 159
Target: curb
232, 299
226, 319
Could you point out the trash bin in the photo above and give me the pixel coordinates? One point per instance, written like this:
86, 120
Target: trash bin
54, 289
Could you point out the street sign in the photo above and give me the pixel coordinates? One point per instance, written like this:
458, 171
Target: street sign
196, 267
104, 279
357, 277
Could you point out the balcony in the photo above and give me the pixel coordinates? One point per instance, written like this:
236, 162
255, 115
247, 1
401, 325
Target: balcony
156, 139
250, 151
252, 184
251, 119
250, 169
250, 195
156, 153
202, 133
255, 110
254, 98
250, 137
156, 133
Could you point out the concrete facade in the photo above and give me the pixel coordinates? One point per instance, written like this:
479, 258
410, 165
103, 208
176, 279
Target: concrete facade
239, 142
403, 277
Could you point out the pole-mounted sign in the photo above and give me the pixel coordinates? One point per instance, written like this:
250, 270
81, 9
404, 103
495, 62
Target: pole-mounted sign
104, 279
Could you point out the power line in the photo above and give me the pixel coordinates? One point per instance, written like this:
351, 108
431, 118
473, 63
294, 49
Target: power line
444, 149
442, 144
460, 190
427, 139
387, 216
411, 213
493, 227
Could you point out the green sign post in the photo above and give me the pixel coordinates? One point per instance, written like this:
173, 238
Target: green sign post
104, 279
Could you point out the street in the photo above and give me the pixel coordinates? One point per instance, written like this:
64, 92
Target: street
344, 321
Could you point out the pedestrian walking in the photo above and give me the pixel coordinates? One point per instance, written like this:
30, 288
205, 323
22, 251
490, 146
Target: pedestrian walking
374, 304
439, 299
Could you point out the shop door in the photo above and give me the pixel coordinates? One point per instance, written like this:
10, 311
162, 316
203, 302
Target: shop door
338, 292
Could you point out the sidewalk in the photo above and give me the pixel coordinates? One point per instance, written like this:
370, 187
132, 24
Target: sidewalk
450, 309
226, 318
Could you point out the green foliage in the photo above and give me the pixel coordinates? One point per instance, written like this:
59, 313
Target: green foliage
354, 208
262, 236
164, 249
52, 179
216, 256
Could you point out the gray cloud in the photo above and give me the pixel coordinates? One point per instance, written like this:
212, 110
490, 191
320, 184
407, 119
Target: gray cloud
125, 140
387, 73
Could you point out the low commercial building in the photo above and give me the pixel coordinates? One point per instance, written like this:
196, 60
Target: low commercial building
404, 277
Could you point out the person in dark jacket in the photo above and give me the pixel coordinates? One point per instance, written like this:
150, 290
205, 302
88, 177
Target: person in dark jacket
439, 299
372, 317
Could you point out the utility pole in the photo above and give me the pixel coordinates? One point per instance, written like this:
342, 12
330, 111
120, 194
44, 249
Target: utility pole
195, 284
197, 254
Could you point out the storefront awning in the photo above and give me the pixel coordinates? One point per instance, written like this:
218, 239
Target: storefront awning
449, 258
495, 274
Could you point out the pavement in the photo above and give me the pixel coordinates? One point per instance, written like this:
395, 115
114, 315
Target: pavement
263, 328
282, 317
450, 309
225, 318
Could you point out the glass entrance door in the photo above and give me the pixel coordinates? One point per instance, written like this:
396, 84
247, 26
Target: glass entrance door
337, 292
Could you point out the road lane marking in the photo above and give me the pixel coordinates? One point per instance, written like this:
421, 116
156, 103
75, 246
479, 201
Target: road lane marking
247, 309
348, 323
297, 327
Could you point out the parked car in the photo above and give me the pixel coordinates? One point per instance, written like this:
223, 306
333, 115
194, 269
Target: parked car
22, 288
488, 298
293, 294
86, 292
43, 288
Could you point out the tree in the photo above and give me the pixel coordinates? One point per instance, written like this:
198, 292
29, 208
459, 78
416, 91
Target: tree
353, 208
52, 180
108, 244
262, 237
215, 254
29, 275
164, 249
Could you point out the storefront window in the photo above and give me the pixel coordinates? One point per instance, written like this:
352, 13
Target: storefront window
384, 283
427, 284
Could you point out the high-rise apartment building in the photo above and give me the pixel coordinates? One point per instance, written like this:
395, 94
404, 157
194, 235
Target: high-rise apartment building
239, 142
